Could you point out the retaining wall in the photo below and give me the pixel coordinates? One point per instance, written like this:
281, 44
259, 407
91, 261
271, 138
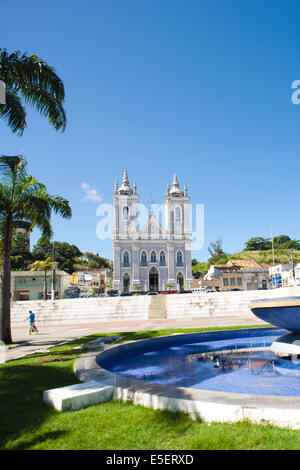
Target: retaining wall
177, 306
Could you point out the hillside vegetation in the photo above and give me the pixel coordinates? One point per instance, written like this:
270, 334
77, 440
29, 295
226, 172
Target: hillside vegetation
257, 248
282, 256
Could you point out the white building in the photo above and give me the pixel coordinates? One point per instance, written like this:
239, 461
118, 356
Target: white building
156, 256
297, 275
29, 285
283, 275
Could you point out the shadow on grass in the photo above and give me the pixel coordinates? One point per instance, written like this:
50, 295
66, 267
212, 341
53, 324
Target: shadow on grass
39, 439
22, 383
147, 334
178, 421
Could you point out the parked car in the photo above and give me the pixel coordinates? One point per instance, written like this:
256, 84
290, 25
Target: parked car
198, 290
72, 292
112, 293
152, 293
126, 294
186, 292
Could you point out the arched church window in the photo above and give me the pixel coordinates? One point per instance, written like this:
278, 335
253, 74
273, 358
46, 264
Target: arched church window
126, 213
153, 257
144, 258
162, 258
126, 259
179, 258
177, 214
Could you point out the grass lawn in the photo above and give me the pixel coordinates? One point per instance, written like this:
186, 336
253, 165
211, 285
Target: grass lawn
26, 423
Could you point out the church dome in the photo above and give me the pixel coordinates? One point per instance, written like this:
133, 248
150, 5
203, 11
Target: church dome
125, 187
175, 190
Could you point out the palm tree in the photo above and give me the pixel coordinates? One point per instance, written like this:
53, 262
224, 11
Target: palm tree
22, 197
44, 266
30, 78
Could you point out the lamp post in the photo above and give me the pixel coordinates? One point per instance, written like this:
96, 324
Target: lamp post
53, 280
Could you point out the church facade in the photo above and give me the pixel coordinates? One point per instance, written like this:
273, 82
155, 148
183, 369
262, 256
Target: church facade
157, 256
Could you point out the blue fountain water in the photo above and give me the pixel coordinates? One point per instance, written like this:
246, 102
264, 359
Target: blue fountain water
180, 362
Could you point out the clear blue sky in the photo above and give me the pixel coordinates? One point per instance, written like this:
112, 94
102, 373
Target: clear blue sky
202, 88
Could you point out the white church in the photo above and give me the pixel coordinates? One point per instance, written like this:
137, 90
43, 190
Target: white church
157, 256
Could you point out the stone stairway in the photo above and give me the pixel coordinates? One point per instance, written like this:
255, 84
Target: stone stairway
144, 307
157, 307
83, 310
220, 304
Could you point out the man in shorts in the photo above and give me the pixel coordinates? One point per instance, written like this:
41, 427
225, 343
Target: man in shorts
32, 326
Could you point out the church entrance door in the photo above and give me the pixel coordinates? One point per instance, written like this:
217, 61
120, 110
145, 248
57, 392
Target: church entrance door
126, 282
180, 281
153, 280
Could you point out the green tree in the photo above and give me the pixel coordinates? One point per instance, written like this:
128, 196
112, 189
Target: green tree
21, 256
97, 262
200, 269
137, 289
30, 78
281, 240
295, 244
285, 242
216, 251
22, 197
258, 243
65, 255
44, 266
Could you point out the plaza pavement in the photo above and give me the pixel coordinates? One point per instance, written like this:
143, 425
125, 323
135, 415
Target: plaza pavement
53, 335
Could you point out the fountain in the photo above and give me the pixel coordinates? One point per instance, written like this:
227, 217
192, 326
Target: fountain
285, 313
223, 376
241, 361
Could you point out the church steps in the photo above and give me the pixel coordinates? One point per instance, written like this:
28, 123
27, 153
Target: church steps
177, 306
157, 307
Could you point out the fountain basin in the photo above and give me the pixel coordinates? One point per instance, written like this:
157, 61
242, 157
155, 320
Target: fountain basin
213, 400
239, 361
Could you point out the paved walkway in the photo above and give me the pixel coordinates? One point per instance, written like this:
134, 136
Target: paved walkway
53, 335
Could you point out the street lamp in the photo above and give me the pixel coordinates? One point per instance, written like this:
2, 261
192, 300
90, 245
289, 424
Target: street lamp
53, 280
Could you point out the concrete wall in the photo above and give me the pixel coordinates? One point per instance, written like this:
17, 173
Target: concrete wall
233, 304
83, 310
180, 306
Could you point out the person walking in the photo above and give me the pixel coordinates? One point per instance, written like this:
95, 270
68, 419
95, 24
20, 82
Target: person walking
32, 326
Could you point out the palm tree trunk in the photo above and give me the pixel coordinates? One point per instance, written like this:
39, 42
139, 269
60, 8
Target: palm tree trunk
5, 273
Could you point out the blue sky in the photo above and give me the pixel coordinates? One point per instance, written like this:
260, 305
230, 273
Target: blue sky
202, 88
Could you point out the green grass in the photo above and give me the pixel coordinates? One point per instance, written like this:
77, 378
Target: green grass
282, 256
137, 335
26, 423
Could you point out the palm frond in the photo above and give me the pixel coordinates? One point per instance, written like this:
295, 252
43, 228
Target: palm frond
13, 112
20, 71
49, 106
12, 169
22, 197
32, 78
60, 206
